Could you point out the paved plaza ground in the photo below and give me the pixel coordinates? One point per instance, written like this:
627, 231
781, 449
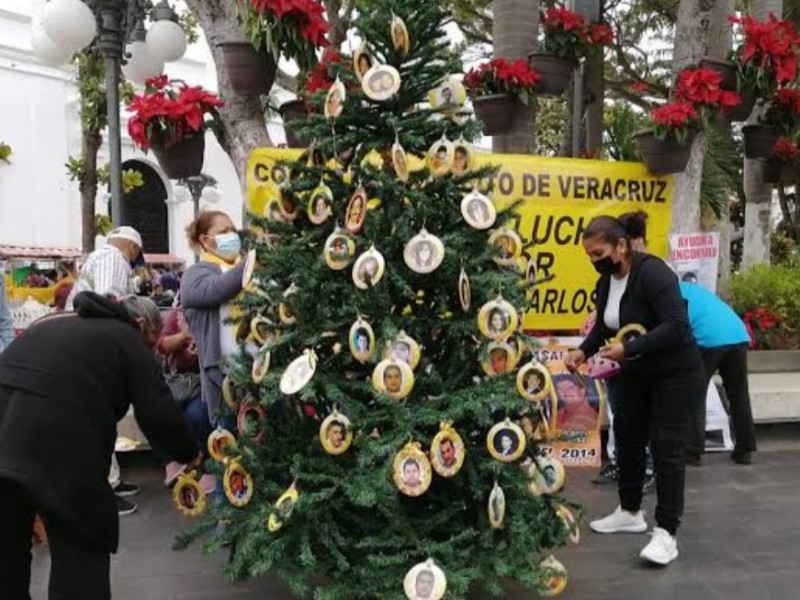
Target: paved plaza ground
740, 540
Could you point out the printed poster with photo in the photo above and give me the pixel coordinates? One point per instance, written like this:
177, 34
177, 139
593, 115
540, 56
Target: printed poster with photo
574, 409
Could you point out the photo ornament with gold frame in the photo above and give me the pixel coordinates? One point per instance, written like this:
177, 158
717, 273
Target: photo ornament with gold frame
319, 203
534, 381
368, 269
463, 157
424, 253
334, 100
299, 372
336, 433
570, 523
506, 441
439, 158
498, 319
362, 340
362, 62
282, 509
188, 496
238, 484
550, 474
400, 38
425, 581
339, 250
464, 291
394, 378
412, 470
448, 97
510, 245
403, 348
381, 82
400, 161
478, 210
447, 451
496, 508
501, 358
557, 581
218, 441
356, 213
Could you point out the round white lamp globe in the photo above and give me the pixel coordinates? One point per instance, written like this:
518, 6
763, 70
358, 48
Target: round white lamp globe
45, 49
141, 65
211, 195
69, 23
181, 193
166, 40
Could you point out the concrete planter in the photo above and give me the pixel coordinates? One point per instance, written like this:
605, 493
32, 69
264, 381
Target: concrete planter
773, 361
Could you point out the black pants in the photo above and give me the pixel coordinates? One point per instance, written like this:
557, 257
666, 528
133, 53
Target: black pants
655, 410
77, 572
731, 362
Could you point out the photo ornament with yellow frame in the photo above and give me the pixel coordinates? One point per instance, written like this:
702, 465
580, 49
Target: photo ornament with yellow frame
336, 433
425, 581
447, 451
238, 484
394, 378
412, 470
188, 496
403, 348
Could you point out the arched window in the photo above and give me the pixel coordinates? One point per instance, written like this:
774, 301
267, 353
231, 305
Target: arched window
144, 208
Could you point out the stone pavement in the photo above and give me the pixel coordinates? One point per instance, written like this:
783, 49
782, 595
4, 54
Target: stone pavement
740, 540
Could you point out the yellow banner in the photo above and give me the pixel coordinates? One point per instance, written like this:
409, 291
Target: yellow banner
561, 196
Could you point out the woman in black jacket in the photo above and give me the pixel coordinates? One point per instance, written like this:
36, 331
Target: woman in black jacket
63, 387
661, 378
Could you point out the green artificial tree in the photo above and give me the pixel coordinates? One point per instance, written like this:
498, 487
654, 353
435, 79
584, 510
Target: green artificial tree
352, 534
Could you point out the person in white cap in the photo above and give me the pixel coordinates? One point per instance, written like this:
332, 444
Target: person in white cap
108, 271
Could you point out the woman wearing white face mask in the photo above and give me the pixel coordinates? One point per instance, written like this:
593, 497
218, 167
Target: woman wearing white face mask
207, 291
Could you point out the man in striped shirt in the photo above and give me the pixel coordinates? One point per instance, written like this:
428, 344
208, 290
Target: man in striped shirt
109, 271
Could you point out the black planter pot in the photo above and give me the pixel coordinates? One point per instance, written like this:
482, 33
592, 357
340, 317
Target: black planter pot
184, 159
555, 72
251, 71
774, 170
759, 140
742, 112
725, 68
496, 112
662, 157
293, 112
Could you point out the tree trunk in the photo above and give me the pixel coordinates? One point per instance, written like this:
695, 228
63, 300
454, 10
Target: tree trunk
758, 207
594, 86
720, 45
244, 126
516, 23
692, 36
90, 145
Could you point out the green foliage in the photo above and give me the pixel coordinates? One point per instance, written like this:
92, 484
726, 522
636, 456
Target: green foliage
352, 532
91, 89
102, 224
774, 287
784, 250
131, 178
5, 152
188, 22
621, 122
722, 169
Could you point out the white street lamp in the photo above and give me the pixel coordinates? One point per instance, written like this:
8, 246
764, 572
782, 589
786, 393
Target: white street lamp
45, 49
211, 195
69, 23
141, 64
165, 37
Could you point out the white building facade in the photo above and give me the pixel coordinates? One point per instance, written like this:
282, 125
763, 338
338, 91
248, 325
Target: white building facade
39, 119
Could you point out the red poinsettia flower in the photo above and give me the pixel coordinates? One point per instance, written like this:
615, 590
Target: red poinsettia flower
500, 76
770, 45
307, 15
674, 114
786, 150
600, 33
639, 86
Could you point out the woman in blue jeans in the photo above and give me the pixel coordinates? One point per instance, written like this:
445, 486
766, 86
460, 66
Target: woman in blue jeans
180, 357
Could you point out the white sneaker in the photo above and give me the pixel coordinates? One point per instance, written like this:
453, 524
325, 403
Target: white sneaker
620, 521
662, 549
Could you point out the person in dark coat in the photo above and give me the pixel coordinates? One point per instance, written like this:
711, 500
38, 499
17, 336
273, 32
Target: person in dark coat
661, 379
63, 387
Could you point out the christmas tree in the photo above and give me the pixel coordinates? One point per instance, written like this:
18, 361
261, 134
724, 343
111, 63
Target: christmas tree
366, 301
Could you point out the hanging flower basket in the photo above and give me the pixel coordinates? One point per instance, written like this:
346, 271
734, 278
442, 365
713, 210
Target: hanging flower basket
662, 157
726, 69
555, 73
182, 159
293, 112
496, 112
774, 170
250, 71
759, 140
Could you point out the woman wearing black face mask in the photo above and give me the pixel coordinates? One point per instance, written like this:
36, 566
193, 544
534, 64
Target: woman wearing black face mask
661, 377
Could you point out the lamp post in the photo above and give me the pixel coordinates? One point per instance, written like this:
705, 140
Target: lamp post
65, 27
201, 186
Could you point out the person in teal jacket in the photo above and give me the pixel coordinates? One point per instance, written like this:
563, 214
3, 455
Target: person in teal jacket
723, 341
